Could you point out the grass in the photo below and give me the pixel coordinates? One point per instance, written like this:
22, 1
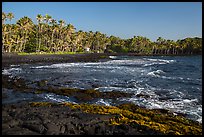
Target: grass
49, 53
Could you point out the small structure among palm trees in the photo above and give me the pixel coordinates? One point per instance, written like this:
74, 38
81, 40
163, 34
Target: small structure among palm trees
87, 49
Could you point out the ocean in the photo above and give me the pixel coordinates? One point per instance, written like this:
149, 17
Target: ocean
163, 82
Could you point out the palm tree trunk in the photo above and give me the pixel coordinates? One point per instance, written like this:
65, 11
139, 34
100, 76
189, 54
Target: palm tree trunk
24, 45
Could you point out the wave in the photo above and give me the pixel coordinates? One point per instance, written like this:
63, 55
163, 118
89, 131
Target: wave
55, 98
11, 71
151, 64
6, 72
15, 65
185, 106
159, 74
112, 57
190, 100
156, 73
161, 60
103, 102
157, 61
60, 65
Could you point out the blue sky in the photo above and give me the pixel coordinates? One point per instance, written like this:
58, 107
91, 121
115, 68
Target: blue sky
170, 20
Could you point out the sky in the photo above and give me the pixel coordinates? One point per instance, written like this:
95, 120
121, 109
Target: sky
169, 20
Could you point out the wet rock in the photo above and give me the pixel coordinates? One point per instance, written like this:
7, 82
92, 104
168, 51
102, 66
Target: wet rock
95, 85
89, 130
39, 128
82, 97
14, 123
143, 95
115, 94
4, 95
100, 128
15, 83
18, 131
52, 129
72, 131
180, 114
164, 111
64, 121
42, 83
63, 129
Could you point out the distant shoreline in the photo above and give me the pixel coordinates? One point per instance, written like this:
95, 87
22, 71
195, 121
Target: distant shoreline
14, 59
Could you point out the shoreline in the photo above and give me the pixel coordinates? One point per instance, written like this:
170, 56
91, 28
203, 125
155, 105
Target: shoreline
14, 59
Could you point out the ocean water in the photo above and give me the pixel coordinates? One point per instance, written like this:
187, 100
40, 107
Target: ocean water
168, 82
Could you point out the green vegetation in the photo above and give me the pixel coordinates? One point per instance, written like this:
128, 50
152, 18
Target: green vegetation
48, 37
134, 115
48, 53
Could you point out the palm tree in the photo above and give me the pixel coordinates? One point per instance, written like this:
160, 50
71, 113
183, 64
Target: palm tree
67, 33
16, 39
60, 39
10, 16
54, 28
4, 17
25, 24
96, 42
80, 37
47, 18
39, 19
71, 29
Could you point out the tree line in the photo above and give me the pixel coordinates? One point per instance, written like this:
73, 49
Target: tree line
50, 35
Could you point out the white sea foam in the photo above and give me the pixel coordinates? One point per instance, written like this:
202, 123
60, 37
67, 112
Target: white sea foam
190, 100
103, 102
6, 72
155, 105
179, 105
150, 64
55, 98
161, 60
11, 71
59, 65
199, 120
156, 73
15, 65
112, 57
157, 61
159, 73
153, 74
40, 67
111, 88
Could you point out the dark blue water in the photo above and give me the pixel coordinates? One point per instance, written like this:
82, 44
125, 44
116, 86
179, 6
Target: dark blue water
170, 82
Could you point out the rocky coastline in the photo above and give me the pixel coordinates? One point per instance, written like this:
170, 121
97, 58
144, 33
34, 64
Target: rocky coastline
45, 118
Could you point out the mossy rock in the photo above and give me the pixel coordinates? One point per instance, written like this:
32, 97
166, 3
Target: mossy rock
86, 95
39, 92
15, 83
42, 83
134, 115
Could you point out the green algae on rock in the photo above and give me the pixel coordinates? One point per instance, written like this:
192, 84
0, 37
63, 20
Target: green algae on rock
83, 95
133, 115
